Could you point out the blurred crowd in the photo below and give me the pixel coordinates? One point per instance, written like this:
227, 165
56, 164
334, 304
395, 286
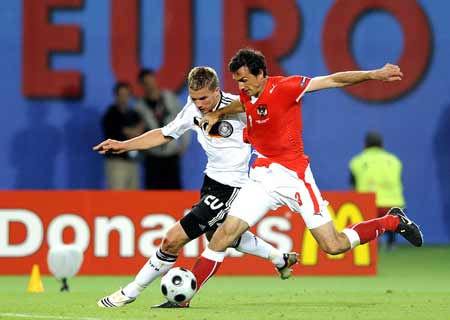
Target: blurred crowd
123, 119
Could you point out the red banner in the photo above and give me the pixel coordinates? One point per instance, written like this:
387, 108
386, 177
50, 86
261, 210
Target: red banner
119, 230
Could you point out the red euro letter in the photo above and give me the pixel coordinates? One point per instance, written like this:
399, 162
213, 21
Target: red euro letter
416, 50
40, 39
177, 43
283, 39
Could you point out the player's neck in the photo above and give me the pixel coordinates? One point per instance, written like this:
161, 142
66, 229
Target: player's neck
263, 87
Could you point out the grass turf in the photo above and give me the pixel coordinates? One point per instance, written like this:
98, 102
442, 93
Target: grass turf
411, 284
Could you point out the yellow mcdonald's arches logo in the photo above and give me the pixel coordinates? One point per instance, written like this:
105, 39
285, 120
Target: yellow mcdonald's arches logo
347, 214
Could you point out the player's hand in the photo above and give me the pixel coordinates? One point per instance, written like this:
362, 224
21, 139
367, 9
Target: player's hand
110, 146
209, 120
390, 72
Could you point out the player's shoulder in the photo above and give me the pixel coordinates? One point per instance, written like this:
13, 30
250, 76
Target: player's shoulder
189, 108
275, 80
227, 98
280, 80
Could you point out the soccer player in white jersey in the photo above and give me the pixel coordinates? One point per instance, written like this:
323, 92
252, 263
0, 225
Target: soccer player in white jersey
226, 171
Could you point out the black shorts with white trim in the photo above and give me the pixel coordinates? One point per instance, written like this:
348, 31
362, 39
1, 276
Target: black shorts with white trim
207, 214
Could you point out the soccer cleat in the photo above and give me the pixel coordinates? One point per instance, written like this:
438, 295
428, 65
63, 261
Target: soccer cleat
168, 305
407, 228
115, 300
290, 259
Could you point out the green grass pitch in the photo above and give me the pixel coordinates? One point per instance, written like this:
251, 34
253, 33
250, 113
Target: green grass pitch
412, 284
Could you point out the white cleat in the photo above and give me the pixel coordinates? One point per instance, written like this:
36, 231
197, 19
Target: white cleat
115, 300
290, 259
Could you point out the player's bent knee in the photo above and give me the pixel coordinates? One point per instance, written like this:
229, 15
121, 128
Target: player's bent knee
233, 227
172, 243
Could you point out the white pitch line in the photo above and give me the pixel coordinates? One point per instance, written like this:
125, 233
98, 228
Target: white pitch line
36, 316
41, 316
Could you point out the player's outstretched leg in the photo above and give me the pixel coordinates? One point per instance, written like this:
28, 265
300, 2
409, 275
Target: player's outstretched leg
159, 263
407, 228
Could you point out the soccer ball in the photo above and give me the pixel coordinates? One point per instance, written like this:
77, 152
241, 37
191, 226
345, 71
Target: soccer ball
178, 285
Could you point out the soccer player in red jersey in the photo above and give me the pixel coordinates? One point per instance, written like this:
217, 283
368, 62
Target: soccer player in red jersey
281, 175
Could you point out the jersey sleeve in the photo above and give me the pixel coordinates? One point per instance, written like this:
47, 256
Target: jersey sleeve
294, 87
182, 122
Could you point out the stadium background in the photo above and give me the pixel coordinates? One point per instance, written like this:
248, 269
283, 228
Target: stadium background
42, 130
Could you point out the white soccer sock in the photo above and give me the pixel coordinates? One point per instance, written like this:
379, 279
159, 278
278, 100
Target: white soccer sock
158, 264
213, 255
251, 244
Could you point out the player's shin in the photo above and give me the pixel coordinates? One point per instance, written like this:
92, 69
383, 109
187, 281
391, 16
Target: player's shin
251, 244
159, 263
363, 232
207, 265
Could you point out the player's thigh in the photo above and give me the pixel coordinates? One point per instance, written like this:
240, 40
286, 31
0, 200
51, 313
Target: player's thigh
207, 214
303, 196
252, 203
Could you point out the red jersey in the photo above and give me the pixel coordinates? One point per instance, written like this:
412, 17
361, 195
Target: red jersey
274, 122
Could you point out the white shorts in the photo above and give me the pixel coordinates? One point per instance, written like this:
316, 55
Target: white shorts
276, 186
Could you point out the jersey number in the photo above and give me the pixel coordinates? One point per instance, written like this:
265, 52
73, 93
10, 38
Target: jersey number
213, 202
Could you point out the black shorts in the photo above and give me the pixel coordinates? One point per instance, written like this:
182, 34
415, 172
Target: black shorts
207, 214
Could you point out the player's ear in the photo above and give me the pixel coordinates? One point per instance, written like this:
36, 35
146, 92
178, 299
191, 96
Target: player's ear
260, 75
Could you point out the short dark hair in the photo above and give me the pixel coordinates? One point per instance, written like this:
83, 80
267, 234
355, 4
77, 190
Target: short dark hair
203, 77
145, 72
373, 139
253, 59
119, 85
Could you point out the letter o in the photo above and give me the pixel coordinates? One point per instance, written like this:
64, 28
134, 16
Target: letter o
80, 228
414, 58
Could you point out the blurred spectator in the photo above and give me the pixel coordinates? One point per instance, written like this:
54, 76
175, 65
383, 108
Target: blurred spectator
120, 122
376, 170
159, 107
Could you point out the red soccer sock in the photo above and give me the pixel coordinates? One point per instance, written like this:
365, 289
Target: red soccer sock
206, 266
389, 222
374, 228
367, 230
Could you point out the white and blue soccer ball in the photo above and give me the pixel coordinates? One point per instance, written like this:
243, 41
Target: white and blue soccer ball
178, 285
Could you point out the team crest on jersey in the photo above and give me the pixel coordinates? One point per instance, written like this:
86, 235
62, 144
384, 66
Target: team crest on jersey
261, 110
225, 129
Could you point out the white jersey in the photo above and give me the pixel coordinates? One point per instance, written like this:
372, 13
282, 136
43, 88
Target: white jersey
228, 155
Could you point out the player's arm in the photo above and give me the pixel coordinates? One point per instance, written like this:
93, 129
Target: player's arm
150, 139
387, 73
212, 117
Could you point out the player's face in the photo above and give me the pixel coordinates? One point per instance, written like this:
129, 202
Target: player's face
205, 99
249, 83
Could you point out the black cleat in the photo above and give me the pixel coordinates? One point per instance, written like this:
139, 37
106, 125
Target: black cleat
168, 305
407, 228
